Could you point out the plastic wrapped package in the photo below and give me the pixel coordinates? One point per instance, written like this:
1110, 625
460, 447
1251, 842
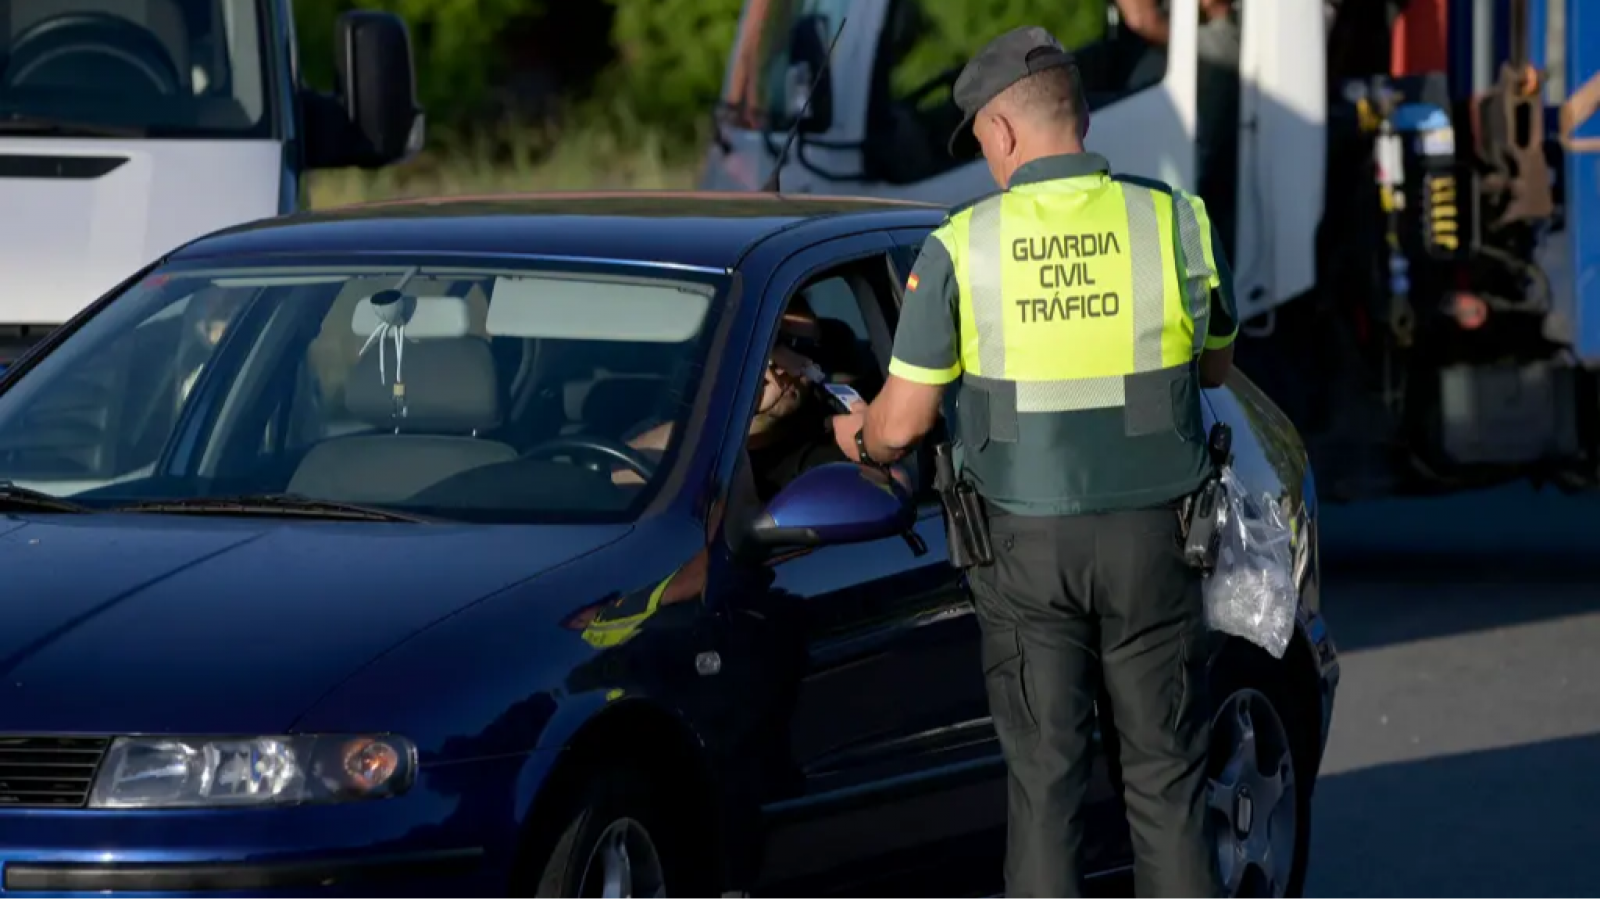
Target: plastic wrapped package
1251, 592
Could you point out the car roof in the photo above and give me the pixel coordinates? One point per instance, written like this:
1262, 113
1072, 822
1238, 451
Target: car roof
683, 228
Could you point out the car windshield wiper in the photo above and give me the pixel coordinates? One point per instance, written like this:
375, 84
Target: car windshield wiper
269, 505
19, 123
20, 499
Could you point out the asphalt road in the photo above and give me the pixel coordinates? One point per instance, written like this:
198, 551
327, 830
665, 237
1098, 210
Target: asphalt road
1465, 755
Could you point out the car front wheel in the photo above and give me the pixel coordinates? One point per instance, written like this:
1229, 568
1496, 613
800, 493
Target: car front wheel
612, 844
1261, 811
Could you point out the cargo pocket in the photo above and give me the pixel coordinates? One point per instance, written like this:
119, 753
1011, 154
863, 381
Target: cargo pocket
1190, 705
1005, 675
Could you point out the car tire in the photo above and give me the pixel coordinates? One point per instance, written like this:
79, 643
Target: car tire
1247, 671
615, 840
1249, 692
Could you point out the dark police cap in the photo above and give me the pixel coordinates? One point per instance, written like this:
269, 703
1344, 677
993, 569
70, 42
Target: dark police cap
1002, 62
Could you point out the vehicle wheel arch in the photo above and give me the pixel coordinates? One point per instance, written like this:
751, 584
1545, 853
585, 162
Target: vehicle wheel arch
1297, 669
634, 734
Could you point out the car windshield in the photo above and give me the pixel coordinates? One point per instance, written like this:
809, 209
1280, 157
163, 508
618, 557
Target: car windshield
475, 392
157, 68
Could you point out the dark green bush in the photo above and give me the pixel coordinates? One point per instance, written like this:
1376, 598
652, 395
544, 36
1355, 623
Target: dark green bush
670, 57
949, 30
455, 42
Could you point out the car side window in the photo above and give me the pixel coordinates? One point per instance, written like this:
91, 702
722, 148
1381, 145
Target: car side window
853, 303
925, 43
885, 295
848, 302
902, 257
832, 300
112, 418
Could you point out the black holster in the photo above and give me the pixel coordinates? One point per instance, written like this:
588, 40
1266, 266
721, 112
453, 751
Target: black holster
966, 523
1202, 511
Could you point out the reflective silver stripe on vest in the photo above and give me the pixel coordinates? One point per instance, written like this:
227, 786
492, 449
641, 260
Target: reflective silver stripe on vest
1149, 285
1197, 272
985, 257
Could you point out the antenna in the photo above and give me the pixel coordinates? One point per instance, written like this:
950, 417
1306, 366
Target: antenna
794, 128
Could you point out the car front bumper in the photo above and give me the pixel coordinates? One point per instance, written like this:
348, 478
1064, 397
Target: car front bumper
453, 834
1326, 657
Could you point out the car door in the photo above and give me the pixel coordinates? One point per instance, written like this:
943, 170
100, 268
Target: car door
1106, 842
889, 708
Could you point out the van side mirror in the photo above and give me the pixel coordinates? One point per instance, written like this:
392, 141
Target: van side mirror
373, 119
808, 55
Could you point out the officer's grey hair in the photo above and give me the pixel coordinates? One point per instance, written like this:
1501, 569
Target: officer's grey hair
1052, 96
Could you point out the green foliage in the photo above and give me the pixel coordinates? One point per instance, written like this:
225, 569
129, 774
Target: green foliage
454, 42
948, 32
670, 57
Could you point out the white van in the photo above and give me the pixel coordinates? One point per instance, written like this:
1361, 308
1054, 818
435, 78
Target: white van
129, 127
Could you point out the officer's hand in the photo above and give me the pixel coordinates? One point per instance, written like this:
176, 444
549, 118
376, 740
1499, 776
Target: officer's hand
845, 428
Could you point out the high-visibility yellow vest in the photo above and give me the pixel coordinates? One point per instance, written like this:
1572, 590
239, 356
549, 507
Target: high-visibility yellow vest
1083, 310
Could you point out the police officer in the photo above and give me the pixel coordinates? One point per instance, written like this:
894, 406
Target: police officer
1078, 314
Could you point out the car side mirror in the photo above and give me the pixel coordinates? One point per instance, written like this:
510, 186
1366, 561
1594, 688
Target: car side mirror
373, 119
837, 503
808, 55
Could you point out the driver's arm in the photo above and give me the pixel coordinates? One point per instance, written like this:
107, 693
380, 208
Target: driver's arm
654, 440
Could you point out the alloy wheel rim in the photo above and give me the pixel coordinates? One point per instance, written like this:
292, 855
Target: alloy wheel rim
623, 863
1251, 797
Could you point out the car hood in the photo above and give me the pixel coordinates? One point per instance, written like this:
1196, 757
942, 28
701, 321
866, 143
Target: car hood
98, 210
139, 623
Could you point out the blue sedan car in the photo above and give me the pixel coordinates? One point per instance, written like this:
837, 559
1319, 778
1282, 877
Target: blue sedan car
332, 564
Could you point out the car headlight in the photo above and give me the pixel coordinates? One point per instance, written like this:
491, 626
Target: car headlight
160, 772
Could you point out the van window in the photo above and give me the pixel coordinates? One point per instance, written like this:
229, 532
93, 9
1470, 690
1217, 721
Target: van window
757, 90
164, 68
925, 44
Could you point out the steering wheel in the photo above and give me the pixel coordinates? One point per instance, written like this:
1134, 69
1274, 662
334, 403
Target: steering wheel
594, 446
74, 49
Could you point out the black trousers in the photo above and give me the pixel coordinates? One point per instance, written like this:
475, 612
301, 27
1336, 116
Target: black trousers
1072, 604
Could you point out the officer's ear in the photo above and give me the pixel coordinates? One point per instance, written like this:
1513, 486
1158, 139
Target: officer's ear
1002, 134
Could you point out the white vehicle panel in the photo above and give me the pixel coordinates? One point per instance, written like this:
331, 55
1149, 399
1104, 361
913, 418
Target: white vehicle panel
1283, 159
65, 241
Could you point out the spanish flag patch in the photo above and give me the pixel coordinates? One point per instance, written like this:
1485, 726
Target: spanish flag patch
911, 283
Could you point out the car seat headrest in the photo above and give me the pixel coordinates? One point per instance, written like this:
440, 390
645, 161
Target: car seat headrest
450, 387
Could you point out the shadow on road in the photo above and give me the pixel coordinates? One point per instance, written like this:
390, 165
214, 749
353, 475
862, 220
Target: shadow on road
1365, 616
1396, 571
1514, 532
1398, 830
